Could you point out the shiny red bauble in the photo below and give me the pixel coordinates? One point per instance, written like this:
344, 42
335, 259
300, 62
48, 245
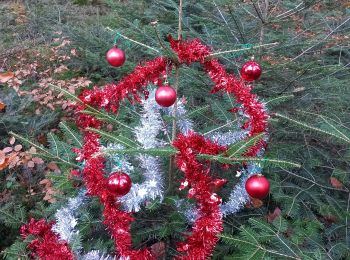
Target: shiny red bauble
119, 183
251, 71
165, 96
257, 186
115, 57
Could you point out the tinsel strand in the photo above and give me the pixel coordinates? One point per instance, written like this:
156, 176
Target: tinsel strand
146, 134
66, 221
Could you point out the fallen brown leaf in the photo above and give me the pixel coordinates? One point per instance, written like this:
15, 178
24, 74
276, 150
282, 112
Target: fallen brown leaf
18, 147
47, 197
2, 157
254, 203
42, 139
336, 183
12, 140
37, 160
158, 249
2, 106
53, 166
273, 215
6, 76
330, 219
31, 164
13, 159
4, 161
7, 149
32, 150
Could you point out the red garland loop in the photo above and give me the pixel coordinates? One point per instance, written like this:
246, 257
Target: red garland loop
192, 51
206, 228
200, 244
46, 245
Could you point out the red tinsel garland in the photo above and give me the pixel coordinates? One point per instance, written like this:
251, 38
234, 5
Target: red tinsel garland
201, 242
46, 244
209, 224
192, 51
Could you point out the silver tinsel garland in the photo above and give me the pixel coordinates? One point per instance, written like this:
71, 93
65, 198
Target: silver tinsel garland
65, 225
229, 137
239, 197
66, 221
146, 134
97, 255
183, 123
119, 162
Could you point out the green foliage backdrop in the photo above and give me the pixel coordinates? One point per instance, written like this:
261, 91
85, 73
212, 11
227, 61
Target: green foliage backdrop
306, 77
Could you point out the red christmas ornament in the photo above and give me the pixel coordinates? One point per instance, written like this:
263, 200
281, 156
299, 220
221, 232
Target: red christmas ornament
165, 96
257, 186
251, 71
119, 183
115, 57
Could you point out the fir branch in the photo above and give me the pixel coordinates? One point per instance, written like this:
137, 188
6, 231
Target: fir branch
66, 93
344, 189
105, 117
12, 216
336, 129
176, 87
61, 182
53, 143
219, 127
198, 110
236, 23
155, 23
120, 139
239, 160
307, 126
93, 111
179, 30
43, 150
71, 133
290, 11
164, 152
234, 241
15, 251
319, 42
242, 146
134, 41
265, 226
322, 117
240, 50
169, 151
278, 100
225, 21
